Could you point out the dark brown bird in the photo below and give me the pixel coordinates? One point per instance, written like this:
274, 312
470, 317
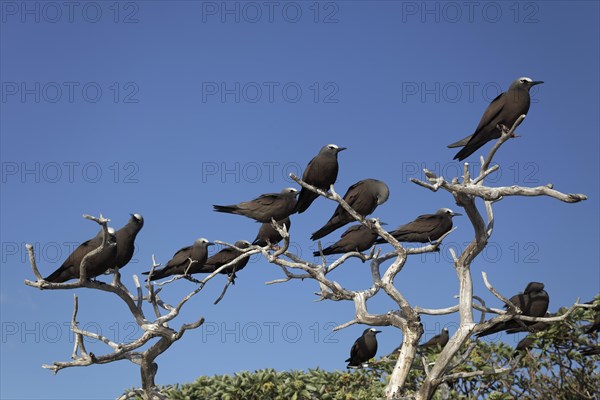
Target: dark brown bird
364, 197
180, 263
321, 172
440, 339
595, 325
533, 302
356, 238
268, 235
536, 327
503, 110
126, 239
426, 228
528, 341
95, 265
363, 349
525, 344
266, 207
225, 256
590, 351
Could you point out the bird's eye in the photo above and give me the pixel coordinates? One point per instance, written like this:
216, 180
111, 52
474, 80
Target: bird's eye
523, 80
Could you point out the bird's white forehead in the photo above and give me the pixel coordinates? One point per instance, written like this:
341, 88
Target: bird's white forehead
290, 190
525, 78
372, 329
335, 146
445, 210
137, 216
202, 240
111, 230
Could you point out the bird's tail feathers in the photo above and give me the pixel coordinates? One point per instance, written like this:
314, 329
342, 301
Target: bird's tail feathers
461, 142
305, 199
324, 231
54, 277
467, 151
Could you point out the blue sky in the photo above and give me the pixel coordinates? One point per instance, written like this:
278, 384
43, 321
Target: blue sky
165, 108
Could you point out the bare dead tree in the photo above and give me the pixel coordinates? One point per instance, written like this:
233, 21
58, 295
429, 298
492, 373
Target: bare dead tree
156, 327
407, 316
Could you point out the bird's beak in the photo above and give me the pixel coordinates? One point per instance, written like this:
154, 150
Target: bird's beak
376, 332
456, 214
131, 215
383, 223
536, 83
210, 244
341, 149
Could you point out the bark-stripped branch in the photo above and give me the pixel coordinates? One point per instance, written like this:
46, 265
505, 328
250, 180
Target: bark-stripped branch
156, 329
465, 194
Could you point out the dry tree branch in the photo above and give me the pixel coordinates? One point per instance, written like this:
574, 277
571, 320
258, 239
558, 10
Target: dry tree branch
405, 318
506, 134
459, 375
151, 329
475, 187
498, 193
465, 194
498, 295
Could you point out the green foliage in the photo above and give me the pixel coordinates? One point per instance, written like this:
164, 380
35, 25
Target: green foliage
553, 368
269, 384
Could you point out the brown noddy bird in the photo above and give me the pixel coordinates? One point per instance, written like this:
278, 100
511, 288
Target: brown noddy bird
595, 325
180, 263
266, 207
590, 351
363, 349
126, 239
225, 256
533, 302
364, 197
356, 238
536, 327
321, 172
95, 265
525, 344
503, 110
268, 235
426, 228
440, 339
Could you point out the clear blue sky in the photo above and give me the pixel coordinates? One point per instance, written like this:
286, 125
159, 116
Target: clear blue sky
165, 108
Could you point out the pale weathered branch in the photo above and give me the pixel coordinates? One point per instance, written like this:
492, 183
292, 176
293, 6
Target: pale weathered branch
129, 351
497, 193
506, 134
462, 375
405, 318
498, 295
